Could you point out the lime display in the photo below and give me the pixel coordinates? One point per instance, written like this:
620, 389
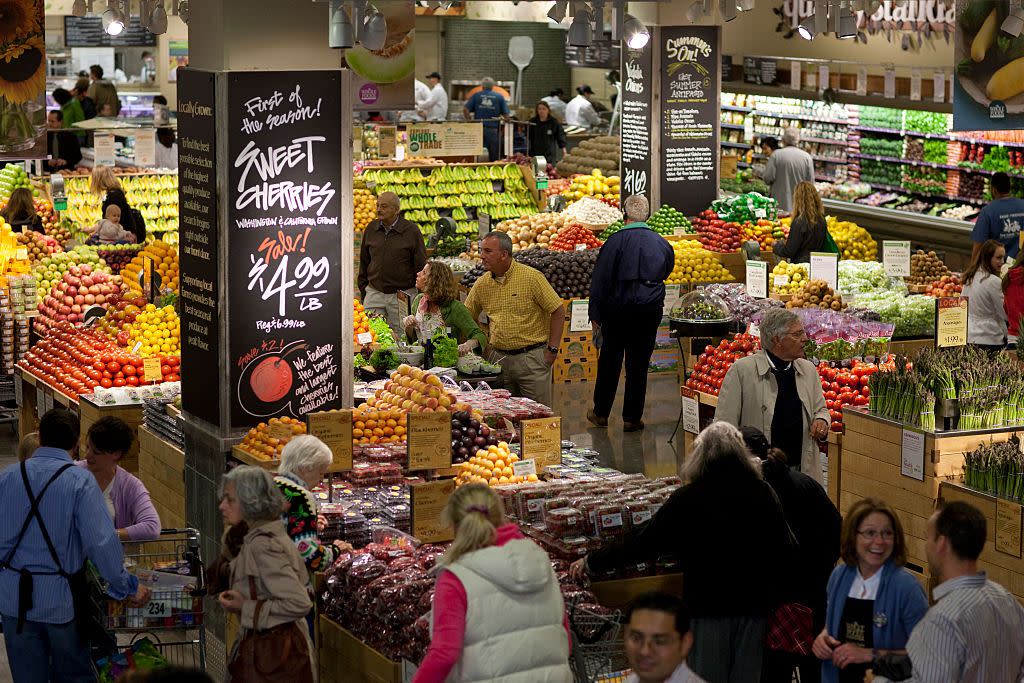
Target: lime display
12, 177
666, 220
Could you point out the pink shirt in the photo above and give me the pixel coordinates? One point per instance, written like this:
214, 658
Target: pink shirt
450, 620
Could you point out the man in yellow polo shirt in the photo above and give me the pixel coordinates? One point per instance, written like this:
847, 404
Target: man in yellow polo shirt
525, 316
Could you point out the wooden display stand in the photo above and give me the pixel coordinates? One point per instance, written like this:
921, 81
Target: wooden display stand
620, 593
343, 657
89, 413
1005, 568
871, 467
910, 347
162, 470
835, 466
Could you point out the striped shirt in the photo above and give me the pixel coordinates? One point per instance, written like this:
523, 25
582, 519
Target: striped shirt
79, 526
973, 634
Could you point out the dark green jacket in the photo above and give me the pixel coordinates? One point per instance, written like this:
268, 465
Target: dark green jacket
458, 317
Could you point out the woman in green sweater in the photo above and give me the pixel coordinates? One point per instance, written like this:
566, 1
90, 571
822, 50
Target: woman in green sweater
438, 305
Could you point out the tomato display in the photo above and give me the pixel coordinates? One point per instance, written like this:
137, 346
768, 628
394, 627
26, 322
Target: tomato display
569, 239
844, 384
711, 366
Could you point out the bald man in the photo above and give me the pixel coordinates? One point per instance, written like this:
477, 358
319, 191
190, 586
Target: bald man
391, 255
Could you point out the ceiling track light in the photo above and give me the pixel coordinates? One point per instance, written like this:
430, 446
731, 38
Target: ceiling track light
745, 5
820, 16
580, 32
635, 33
113, 19
158, 18
373, 32
183, 10
78, 9
727, 10
341, 33
806, 29
558, 10
597, 16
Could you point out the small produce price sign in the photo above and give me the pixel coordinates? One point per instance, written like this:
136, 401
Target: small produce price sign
579, 315
1008, 527
950, 322
912, 454
691, 410
672, 294
896, 256
426, 503
757, 279
825, 266
429, 441
334, 428
542, 441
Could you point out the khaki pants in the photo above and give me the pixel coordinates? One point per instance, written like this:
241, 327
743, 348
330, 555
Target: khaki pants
525, 374
388, 306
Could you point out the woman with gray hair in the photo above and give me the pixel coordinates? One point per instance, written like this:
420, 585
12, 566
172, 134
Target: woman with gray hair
304, 462
724, 515
778, 391
269, 585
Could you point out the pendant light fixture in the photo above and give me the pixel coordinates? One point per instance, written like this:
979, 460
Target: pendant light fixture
374, 32
580, 31
113, 19
342, 33
636, 34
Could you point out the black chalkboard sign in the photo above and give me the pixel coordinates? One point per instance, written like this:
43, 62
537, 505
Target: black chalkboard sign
760, 70
88, 32
284, 260
603, 53
199, 248
637, 102
690, 83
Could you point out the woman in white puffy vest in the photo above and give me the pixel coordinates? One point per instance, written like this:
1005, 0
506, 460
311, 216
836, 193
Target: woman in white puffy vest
498, 611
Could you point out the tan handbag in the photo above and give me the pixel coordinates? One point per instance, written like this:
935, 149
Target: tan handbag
272, 655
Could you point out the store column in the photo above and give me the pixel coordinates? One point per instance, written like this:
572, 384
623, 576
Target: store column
266, 232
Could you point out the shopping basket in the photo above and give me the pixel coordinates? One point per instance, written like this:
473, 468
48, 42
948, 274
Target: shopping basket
598, 652
172, 567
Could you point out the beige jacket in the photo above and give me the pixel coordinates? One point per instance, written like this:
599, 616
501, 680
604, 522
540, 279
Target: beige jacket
747, 399
269, 556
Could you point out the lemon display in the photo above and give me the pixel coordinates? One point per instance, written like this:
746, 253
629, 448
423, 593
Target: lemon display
694, 263
594, 184
159, 331
854, 242
796, 274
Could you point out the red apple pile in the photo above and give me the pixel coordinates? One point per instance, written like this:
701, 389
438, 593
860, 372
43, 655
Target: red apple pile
76, 361
80, 288
718, 235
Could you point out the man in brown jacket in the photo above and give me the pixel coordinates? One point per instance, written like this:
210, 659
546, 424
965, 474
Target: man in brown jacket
778, 391
389, 258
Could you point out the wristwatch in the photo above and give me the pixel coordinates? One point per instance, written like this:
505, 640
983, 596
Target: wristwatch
553, 349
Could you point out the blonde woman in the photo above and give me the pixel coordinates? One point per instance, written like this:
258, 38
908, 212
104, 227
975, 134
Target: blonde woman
498, 611
807, 230
107, 186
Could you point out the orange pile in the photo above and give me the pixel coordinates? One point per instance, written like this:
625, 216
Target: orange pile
377, 426
165, 262
360, 324
266, 440
492, 467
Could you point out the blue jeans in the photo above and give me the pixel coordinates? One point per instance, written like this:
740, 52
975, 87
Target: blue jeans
46, 652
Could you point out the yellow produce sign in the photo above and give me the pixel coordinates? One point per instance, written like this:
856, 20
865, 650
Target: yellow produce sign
334, 428
542, 441
427, 501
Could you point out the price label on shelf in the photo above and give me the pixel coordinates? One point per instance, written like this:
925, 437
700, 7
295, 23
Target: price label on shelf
794, 75
915, 85
334, 428
426, 503
151, 370
691, 410
862, 81
890, 83
21, 254
780, 281
581, 247
364, 338
429, 441
939, 87
912, 454
825, 266
753, 330
524, 468
822, 77
757, 279
896, 256
579, 315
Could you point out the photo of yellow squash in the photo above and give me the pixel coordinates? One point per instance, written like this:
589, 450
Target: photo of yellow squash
1007, 82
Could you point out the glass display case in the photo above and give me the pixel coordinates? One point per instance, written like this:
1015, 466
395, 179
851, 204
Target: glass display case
701, 306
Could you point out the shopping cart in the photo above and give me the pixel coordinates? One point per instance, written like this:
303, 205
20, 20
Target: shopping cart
172, 567
598, 652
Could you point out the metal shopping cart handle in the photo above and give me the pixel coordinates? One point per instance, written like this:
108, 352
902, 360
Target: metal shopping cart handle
610, 622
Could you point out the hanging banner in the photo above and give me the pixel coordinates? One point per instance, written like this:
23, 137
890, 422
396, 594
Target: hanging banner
384, 78
637, 116
445, 139
988, 82
284, 232
23, 81
199, 248
690, 83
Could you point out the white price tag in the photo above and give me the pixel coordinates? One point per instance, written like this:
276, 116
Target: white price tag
757, 279
579, 315
939, 87
47, 402
679, 232
822, 77
748, 129
18, 398
794, 75
103, 148
780, 281
691, 415
915, 85
524, 468
145, 148
671, 298
760, 213
912, 455
825, 266
40, 402
364, 338
896, 256
135, 349
753, 330
890, 83
581, 247
862, 81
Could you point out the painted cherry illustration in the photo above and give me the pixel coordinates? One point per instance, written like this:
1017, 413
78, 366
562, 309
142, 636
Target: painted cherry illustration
273, 376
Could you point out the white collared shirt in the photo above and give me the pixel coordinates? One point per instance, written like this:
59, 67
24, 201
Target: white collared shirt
682, 674
865, 589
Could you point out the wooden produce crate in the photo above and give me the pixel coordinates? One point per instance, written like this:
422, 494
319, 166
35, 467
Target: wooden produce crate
735, 263
162, 470
574, 370
344, 658
1004, 568
89, 413
619, 593
835, 466
577, 345
246, 458
871, 466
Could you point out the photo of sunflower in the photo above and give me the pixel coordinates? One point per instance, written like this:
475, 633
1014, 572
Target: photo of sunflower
22, 79
18, 19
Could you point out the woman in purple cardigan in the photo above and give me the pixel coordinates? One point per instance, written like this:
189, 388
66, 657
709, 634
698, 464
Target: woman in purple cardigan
135, 518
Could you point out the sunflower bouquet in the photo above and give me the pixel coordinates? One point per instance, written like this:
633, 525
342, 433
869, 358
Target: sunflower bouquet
22, 73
